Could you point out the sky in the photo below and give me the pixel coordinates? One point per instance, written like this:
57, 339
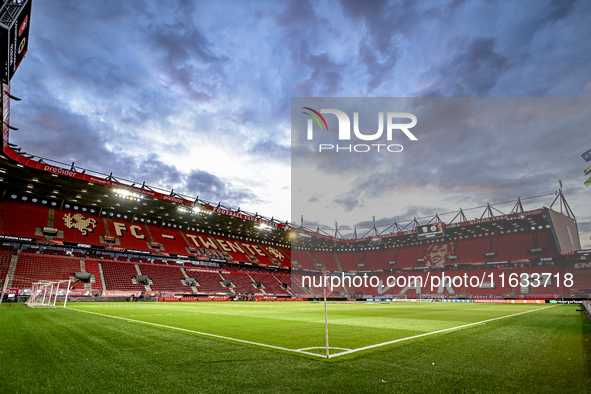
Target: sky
196, 96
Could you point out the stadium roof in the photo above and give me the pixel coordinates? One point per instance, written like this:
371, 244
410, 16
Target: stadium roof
28, 183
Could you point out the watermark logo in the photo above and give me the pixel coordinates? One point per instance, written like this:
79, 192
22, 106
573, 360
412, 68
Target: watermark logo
392, 126
310, 131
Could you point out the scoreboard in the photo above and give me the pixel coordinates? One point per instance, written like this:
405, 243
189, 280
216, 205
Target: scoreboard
15, 18
430, 231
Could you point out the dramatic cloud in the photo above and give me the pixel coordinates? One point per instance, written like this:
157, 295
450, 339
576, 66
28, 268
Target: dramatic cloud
210, 187
196, 96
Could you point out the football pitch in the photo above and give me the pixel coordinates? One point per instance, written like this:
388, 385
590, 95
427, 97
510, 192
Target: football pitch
281, 347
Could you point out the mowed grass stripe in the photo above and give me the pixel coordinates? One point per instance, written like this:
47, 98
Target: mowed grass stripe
433, 332
199, 333
56, 350
298, 325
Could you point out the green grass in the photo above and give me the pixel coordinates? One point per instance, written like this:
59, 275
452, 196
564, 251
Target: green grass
50, 350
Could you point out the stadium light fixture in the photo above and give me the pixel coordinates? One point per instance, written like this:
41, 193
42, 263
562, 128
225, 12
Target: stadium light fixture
128, 195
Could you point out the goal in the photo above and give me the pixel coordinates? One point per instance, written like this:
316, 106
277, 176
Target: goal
46, 292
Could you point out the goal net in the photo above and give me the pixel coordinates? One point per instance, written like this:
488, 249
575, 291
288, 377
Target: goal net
46, 293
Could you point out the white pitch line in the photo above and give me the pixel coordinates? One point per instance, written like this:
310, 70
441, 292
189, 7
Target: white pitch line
433, 332
302, 350
201, 333
323, 347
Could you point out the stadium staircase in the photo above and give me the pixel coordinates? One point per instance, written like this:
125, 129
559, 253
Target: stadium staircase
87, 286
11, 270
193, 288
209, 282
286, 280
271, 284
139, 272
165, 278
102, 276
241, 281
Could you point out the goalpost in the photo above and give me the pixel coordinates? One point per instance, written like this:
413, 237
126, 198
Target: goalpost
46, 292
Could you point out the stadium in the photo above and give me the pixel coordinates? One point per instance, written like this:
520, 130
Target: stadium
114, 285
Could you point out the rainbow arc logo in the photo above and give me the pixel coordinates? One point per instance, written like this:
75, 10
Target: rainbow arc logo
316, 118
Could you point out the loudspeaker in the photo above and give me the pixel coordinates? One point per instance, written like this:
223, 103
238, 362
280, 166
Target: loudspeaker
83, 276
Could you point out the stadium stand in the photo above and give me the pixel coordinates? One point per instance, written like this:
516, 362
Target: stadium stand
165, 278
471, 250
171, 240
35, 267
23, 219
272, 286
242, 282
209, 281
118, 276
113, 245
